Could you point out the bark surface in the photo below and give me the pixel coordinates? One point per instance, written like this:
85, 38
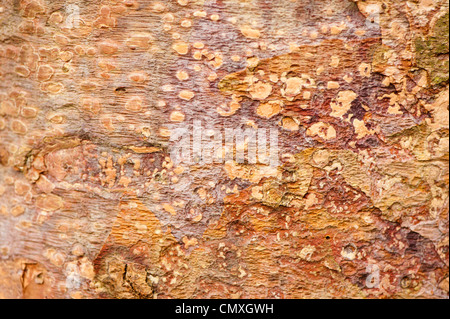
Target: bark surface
92, 205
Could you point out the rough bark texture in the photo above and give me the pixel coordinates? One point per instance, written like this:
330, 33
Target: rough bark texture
91, 205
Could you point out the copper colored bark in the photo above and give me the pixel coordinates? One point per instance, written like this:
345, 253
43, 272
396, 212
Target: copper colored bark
93, 206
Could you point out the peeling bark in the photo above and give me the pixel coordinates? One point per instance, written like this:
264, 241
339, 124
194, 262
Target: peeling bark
92, 204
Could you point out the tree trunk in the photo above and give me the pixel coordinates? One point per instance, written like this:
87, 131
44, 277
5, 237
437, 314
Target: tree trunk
99, 99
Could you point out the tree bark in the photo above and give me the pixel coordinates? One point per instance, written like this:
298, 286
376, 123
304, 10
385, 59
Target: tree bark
93, 203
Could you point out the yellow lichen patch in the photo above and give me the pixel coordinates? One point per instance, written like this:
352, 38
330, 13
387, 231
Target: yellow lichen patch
190, 242
29, 112
320, 70
342, 103
306, 95
177, 116
290, 124
157, 7
269, 109
250, 32
337, 29
52, 87
91, 51
66, 56
200, 14
56, 258
235, 58
19, 127
80, 50
365, 69
21, 188
394, 109
10, 108
104, 19
56, 118
324, 29
293, 86
90, 105
217, 62
106, 65
197, 55
186, 23
439, 111
293, 47
252, 62
89, 85
17, 210
307, 252
124, 181
134, 104
78, 250
87, 269
182, 75
332, 265
253, 174
167, 88
332, 85
186, 95
212, 77
44, 73
138, 76
49, 202
314, 35
179, 170
233, 107
347, 78
199, 45
321, 158
181, 48
257, 193
55, 18
22, 71
169, 208
139, 41
260, 90
334, 61
61, 39
323, 130
361, 130
3, 210
108, 47
274, 78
